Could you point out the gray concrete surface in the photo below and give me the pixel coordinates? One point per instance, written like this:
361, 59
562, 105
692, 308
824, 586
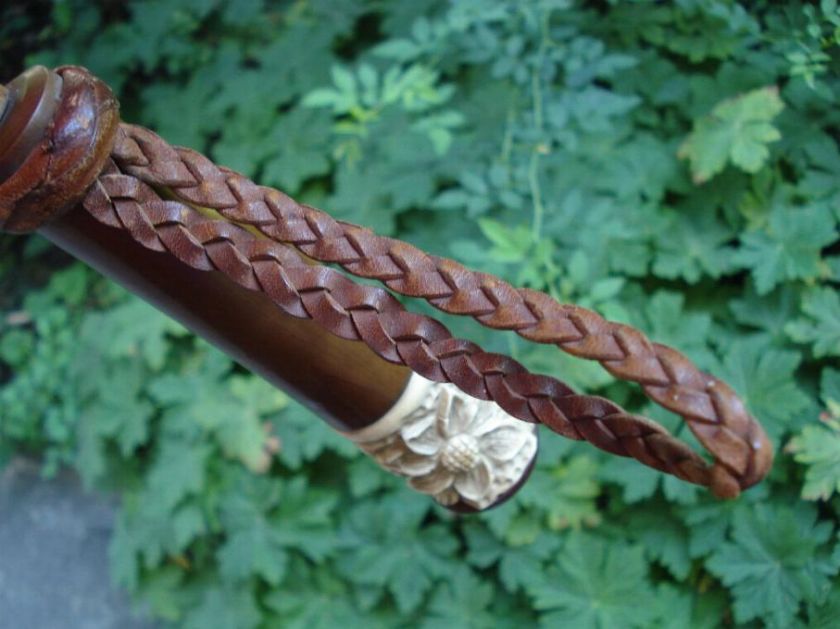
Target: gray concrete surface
54, 555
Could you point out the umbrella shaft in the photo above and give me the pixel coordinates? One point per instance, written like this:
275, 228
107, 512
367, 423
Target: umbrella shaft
342, 381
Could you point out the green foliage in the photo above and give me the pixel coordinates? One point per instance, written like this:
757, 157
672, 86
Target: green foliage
595, 585
776, 558
672, 165
821, 324
818, 447
788, 247
385, 537
737, 130
765, 379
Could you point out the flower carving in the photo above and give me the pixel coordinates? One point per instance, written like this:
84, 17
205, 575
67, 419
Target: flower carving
455, 447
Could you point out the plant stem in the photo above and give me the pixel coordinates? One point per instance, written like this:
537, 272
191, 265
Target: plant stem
539, 148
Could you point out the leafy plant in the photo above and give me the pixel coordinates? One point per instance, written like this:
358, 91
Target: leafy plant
737, 130
818, 447
672, 165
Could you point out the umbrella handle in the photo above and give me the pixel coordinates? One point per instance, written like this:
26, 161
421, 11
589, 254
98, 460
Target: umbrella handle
342, 381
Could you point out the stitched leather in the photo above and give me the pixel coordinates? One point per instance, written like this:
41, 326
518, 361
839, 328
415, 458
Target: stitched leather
59, 168
128, 196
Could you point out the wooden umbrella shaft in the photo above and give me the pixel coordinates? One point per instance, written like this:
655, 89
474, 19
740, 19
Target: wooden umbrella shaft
342, 381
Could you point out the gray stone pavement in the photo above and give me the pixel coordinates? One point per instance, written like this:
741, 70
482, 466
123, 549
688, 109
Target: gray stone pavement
54, 555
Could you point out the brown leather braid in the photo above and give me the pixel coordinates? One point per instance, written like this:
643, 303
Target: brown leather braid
372, 315
715, 414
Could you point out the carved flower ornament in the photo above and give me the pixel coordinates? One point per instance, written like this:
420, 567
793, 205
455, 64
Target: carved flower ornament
456, 447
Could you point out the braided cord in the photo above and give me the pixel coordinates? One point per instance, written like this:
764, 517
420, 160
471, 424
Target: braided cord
713, 411
373, 316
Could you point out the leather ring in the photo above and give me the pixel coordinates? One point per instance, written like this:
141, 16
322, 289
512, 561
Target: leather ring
33, 98
55, 137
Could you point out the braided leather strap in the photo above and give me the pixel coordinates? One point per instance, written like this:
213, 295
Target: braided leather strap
374, 316
715, 414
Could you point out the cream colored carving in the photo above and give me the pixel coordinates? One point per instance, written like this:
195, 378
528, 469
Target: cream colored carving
450, 445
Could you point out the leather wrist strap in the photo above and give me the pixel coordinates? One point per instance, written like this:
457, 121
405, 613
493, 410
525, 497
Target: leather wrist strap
175, 200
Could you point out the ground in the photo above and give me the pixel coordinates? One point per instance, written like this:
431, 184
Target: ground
54, 555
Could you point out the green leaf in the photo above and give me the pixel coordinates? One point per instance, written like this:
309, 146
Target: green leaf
244, 435
693, 245
317, 599
833, 264
830, 388
384, 538
566, 492
134, 329
825, 615
267, 521
820, 326
117, 409
147, 531
788, 248
303, 520
509, 245
679, 608
637, 481
224, 607
463, 600
667, 321
515, 525
595, 584
768, 313
665, 540
765, 379
163, 591
818, 446
522, 566
252, 546
178, 471
298, 150
343, 79
304, 437
707, 525
519, 566
737, 130
775, 559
